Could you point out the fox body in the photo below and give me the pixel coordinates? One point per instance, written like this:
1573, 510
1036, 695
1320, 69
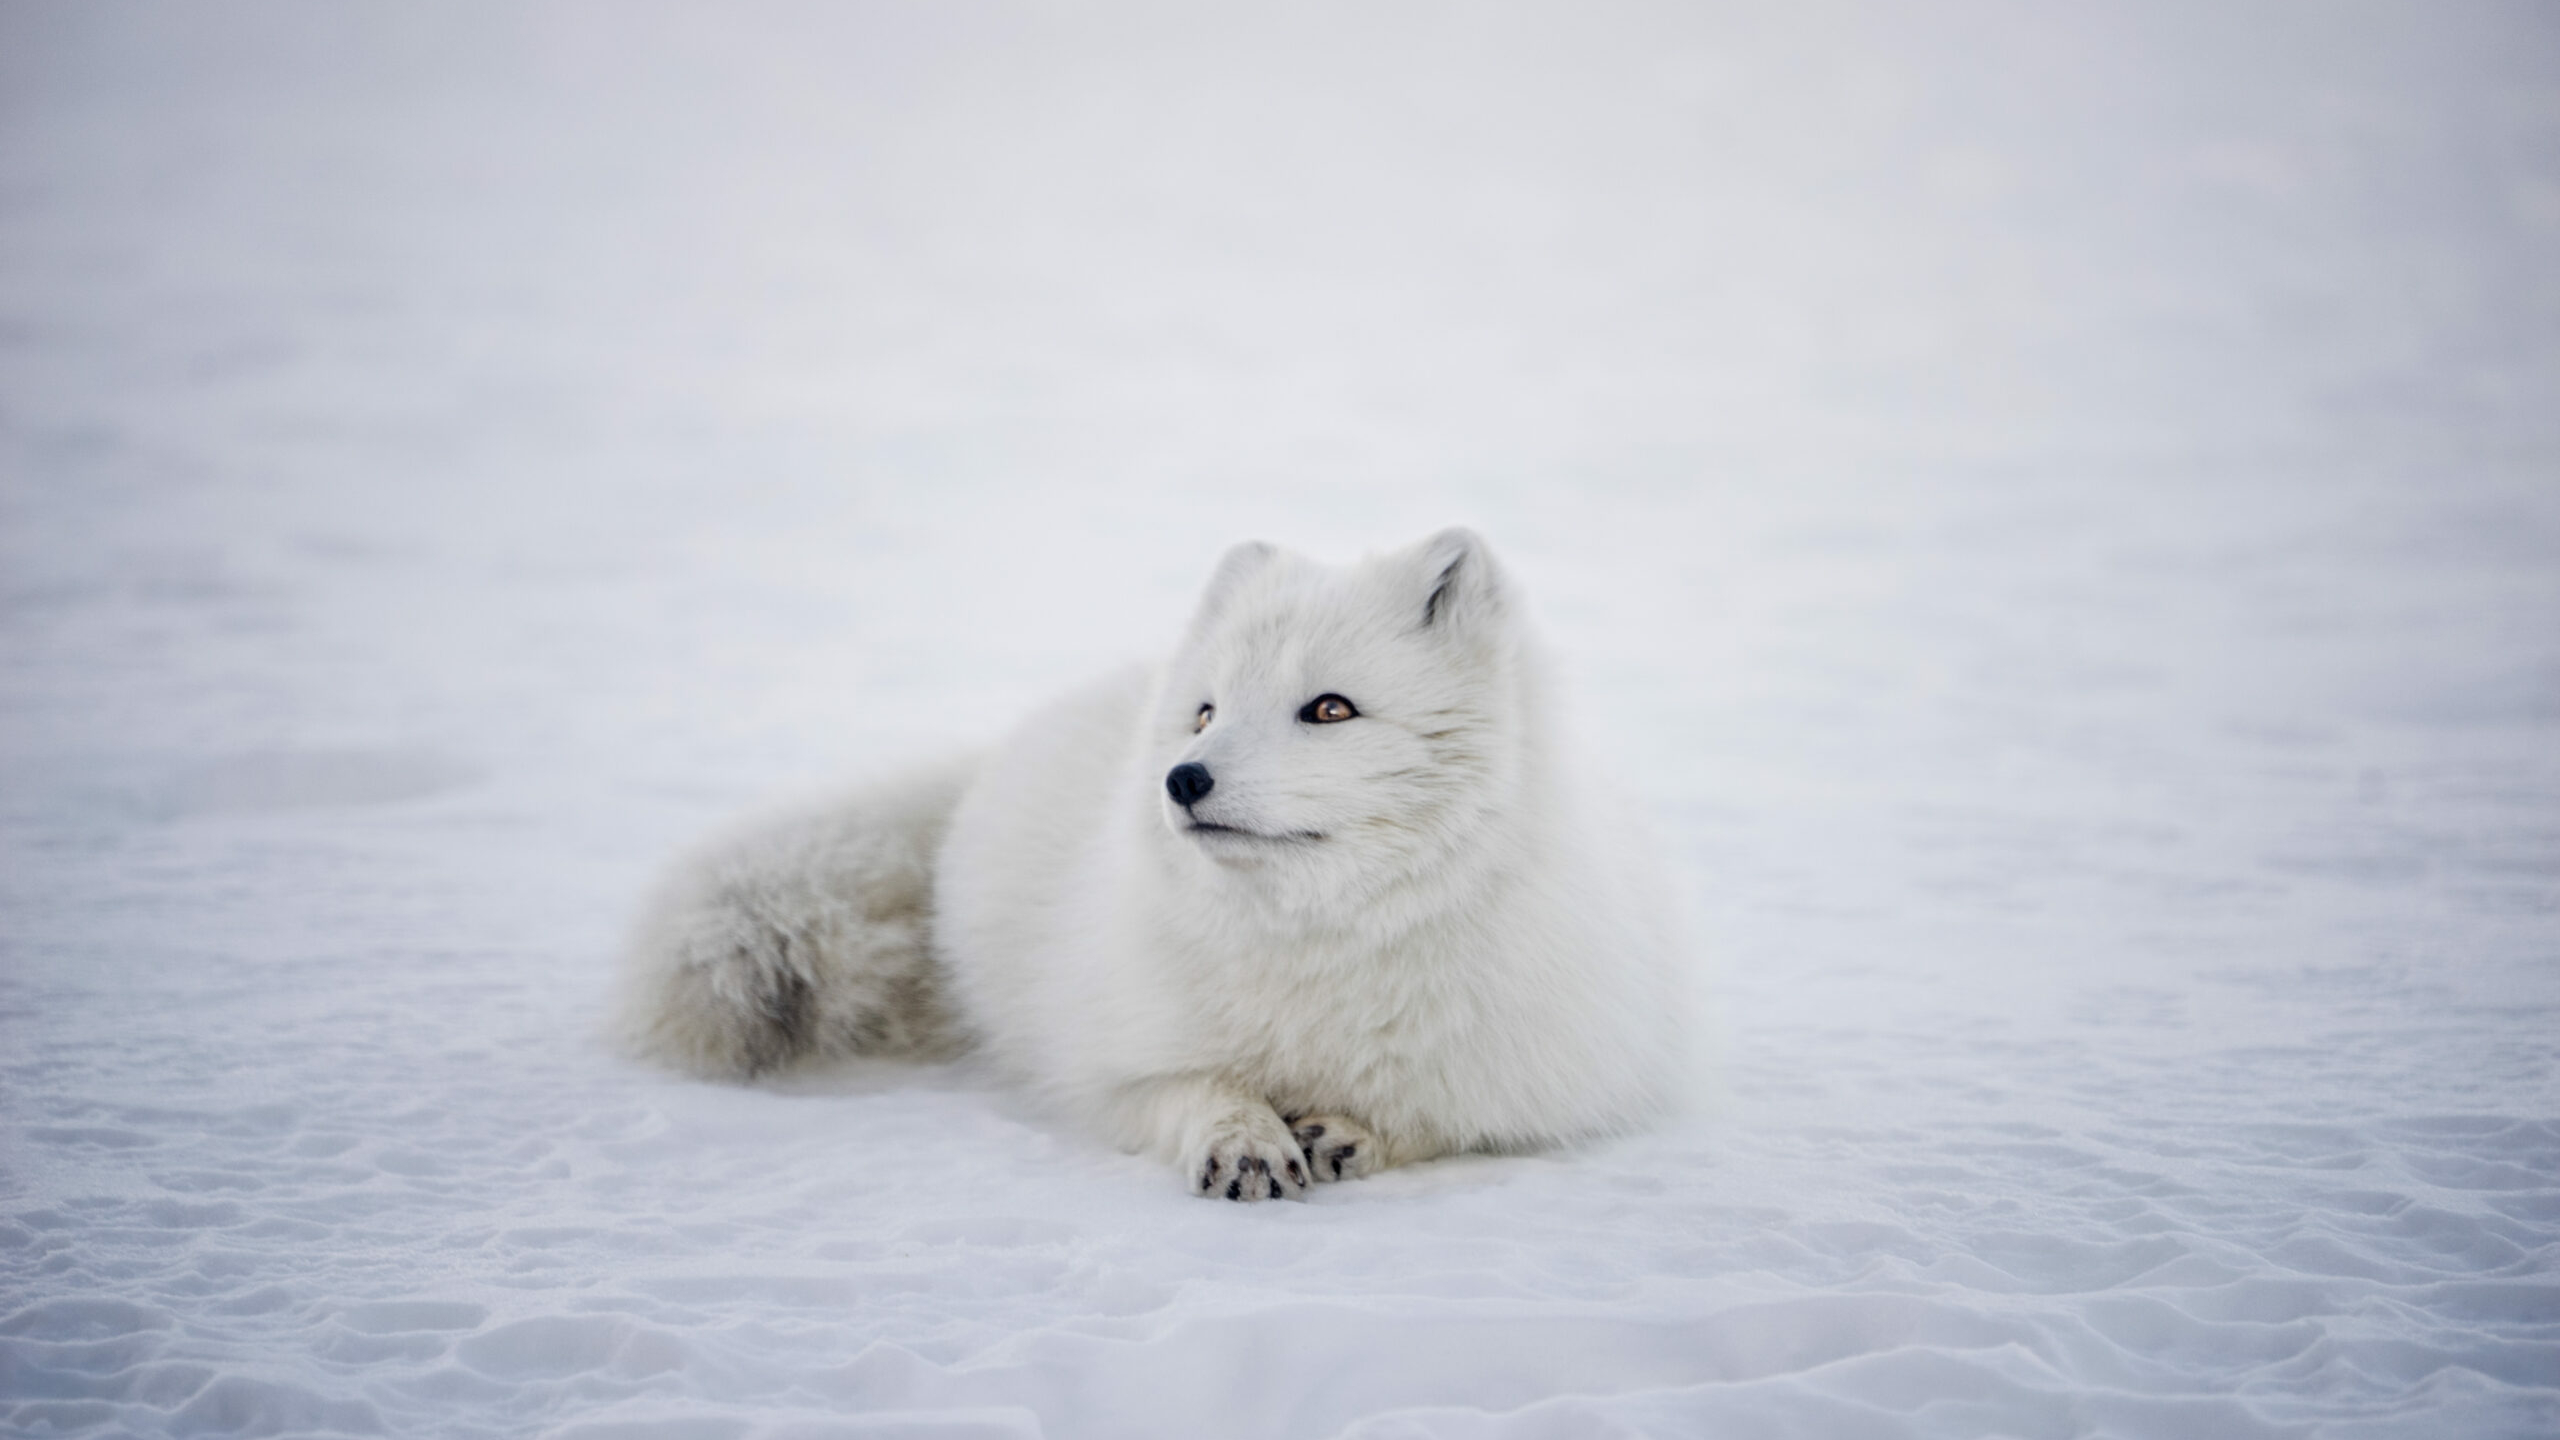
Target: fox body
1320, 895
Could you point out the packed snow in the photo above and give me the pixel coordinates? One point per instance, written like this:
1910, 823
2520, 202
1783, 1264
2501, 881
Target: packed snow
2058, 512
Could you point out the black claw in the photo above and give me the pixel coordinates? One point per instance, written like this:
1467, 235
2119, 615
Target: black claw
1209, 1176
1275, 1189
1312, 1132
1337, 1167
1296, 1175
1291, 1119
1235, 1189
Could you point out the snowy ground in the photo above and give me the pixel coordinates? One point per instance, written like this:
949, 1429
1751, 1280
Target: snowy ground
2061, 516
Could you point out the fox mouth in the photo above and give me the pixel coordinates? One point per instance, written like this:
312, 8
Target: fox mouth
1212, 827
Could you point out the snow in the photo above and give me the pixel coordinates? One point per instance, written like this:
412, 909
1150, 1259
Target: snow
2058, 511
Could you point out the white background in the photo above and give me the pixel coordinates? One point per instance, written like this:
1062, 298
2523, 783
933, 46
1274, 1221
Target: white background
2060, 513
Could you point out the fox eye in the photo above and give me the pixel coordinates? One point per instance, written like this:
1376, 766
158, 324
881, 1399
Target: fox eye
1327, 710
1200, 721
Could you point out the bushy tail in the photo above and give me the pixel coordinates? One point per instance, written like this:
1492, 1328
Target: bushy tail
806, 936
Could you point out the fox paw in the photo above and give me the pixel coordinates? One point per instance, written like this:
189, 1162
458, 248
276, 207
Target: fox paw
1253, 1157
1335, 1148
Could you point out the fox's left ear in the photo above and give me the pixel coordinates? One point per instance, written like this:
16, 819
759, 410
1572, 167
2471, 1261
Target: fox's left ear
1239, 564
1461, 588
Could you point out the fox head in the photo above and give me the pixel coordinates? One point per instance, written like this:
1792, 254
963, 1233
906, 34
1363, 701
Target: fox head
1326, 730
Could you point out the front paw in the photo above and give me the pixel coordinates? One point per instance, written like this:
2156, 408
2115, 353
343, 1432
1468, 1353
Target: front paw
1335, 1148
1251, 1157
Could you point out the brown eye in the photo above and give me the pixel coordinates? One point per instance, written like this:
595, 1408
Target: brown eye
1327, 710
1200, 721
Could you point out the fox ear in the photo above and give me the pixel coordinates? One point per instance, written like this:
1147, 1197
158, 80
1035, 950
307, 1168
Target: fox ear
1239, 564
1461, 586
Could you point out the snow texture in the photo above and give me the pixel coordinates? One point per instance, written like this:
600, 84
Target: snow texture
2057, 508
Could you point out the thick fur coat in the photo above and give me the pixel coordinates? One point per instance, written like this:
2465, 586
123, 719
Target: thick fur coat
1323, 894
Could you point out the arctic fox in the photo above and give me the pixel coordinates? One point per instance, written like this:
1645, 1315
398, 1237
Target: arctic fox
1321, 895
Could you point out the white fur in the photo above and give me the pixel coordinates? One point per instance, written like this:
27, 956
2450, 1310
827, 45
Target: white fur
1433, 933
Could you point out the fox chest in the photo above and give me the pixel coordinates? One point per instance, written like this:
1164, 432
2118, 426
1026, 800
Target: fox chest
1367, 1039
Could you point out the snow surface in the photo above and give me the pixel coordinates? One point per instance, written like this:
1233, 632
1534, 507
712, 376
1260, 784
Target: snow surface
2060, 512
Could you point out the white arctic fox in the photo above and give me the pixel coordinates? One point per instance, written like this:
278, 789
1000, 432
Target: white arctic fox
1321, 895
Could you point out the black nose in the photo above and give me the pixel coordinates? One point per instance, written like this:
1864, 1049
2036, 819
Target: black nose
1187, 782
